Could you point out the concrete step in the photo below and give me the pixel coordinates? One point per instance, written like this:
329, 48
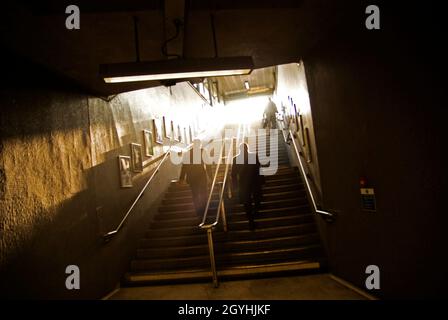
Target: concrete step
169, 200
186, 192
166, 239
282, 203
223, 247
285, 195
176, 207
227, 259
271, 213
181, 219
276, 181
263, 222
175, 187
175, 215
204, 275
296, 198
176, 230
167, 217
297, 186
283, 176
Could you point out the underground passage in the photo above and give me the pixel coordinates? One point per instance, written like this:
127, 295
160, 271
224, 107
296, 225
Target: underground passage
222, 150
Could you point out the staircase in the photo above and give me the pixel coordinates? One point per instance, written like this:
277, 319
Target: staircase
286, 239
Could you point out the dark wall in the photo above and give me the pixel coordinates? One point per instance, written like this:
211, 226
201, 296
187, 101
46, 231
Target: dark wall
378, 106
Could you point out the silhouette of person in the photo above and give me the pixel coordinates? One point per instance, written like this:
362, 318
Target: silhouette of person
196, 176
269, 114
247, 180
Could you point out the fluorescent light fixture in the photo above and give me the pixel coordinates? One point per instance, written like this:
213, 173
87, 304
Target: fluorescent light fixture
179, 75
246, 84
176, 69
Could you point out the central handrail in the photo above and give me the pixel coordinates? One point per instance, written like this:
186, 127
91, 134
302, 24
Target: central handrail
328, 215
221, 207
204, 218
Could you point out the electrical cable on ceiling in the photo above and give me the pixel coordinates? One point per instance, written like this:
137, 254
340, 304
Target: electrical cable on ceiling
215, 44
178, 24
137, 48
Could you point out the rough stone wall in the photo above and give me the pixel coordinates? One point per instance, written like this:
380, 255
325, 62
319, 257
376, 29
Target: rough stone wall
59, 184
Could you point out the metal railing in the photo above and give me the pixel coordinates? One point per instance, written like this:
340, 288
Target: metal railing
328, 216
221, 211
164, 156
108, 236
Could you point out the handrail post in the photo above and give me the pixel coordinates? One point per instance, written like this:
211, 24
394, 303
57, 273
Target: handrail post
229, 191
221, 210
223, 216
212, 257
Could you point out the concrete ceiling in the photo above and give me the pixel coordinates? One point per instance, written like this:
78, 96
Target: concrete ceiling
261, 81
271, 31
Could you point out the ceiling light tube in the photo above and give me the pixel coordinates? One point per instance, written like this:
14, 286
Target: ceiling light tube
176, 69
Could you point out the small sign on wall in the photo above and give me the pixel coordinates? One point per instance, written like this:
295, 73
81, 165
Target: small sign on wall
368, 201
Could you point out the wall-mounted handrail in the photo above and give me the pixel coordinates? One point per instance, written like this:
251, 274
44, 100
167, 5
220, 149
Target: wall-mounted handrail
163, 157
327, 215
112, 233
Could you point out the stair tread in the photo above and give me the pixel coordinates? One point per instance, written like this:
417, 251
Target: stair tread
191, 227
204, 275
207, 270
257, 230
213, 203
235, 242
278, 201
279, 218
263, 216
227, 255
259, 211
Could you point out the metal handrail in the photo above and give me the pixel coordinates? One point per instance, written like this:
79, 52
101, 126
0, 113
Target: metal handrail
327, 215
112, 233
221, 208
204, 218
221, 196
209, 227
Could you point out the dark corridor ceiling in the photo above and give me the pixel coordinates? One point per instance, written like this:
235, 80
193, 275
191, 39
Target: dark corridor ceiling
272, 32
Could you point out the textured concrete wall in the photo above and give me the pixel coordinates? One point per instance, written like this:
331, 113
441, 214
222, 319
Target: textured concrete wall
60, 184
377, 104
